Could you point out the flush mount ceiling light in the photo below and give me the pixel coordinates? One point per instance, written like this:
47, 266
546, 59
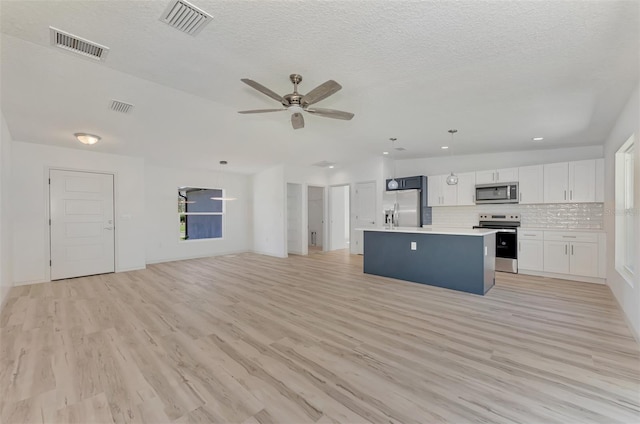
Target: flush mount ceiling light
453, 178
444, 147
385, 153
85, 138
393, 184
537, 138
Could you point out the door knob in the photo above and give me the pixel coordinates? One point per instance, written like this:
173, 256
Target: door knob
108, 228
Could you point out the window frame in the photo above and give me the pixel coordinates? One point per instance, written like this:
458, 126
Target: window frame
625, 216
222, 214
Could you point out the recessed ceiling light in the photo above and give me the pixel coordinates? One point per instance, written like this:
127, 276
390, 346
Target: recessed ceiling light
331, 166
537, 138
444, 147
87, 138
385, 153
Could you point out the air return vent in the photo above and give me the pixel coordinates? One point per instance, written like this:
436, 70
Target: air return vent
77, 45
185, 17
118, 106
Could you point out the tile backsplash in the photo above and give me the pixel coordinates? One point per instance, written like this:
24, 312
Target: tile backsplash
560, 215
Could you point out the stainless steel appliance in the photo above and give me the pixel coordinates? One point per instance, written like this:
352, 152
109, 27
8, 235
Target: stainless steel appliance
506, 239
497, 193
402, 208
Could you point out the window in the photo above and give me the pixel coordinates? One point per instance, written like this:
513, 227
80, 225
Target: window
200, 212
625, 216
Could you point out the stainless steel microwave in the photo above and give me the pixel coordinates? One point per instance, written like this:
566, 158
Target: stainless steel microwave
497, 193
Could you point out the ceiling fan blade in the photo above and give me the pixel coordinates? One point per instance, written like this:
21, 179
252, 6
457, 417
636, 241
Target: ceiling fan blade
261, 110
261, 88
331, 113
321, 92
297, 121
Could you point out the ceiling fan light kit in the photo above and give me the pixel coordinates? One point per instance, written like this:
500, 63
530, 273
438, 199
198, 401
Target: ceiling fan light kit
297, 103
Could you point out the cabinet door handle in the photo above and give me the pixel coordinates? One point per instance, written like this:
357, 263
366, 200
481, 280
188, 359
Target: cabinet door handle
519, 246
497, 176
568, 236
520, 195
572, 250
565, 195
565, 249
570, 194
493, 176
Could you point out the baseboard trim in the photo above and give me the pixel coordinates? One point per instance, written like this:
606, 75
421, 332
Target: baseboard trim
593, 280
186, 258
137, 268
258, 252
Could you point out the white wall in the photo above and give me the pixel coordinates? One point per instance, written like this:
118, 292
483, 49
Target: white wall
628, 296
370, 170
6, 262
161, 214
30, 164
269, 203
446, 164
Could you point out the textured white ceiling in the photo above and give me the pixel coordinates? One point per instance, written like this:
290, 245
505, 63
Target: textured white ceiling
499, 72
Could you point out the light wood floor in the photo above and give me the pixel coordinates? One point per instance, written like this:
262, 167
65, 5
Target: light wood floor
253, 339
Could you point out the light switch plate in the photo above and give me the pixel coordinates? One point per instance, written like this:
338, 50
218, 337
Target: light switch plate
414, 245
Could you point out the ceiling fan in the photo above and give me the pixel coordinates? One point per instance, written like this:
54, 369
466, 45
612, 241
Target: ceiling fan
297, 103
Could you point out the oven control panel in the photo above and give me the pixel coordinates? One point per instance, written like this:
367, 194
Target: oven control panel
500, 217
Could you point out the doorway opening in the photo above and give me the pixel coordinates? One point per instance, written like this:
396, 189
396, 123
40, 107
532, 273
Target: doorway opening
339, 206
294, 219
315, 219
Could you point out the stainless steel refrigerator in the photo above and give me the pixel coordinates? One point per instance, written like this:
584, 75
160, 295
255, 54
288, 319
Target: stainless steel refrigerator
408, 202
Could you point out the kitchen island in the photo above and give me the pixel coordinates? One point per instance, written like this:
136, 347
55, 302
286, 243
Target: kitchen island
453, 258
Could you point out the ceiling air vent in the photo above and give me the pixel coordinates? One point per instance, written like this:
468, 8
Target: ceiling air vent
118, 106
77, 45
400, 149
185, 17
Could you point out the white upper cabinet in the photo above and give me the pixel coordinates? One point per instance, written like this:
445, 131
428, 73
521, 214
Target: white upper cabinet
573, 182
556, 182
486, 177
504, 175
599, 180
466, 189
582, 181
507, 175
433, 190
440, 193
531, 184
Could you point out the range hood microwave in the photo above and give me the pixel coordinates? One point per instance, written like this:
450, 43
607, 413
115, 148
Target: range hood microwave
497, 193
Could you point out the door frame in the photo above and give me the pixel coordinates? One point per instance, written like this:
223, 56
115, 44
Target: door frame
348, 222
47, 214
325, 212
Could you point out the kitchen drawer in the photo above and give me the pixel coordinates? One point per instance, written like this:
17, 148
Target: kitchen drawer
530, 234
571, 236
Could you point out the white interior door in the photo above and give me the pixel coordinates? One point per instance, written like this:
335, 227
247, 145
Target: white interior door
339, 210
82, 229
294, 218
365, 212
315, 209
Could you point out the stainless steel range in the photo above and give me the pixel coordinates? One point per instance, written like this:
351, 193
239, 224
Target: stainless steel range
506, 239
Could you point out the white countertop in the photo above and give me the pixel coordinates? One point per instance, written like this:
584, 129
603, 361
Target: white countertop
581, 230
435, 230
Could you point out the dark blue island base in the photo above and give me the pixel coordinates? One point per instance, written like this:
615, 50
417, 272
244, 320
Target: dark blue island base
458, 262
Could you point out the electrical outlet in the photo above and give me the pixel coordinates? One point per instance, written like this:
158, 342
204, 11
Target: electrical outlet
414, 245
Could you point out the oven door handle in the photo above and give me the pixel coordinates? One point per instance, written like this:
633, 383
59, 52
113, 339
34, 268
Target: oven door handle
506, 230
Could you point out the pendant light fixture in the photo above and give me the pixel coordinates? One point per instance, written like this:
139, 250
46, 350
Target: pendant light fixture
393, 184
453, 178
221, 184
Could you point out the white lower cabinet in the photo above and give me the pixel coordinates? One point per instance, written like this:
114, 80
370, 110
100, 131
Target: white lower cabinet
573, 255
530, 250
556, 257
572, 252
